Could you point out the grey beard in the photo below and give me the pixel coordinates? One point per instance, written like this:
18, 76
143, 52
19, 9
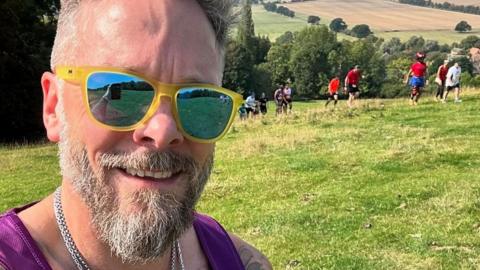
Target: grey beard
144, 234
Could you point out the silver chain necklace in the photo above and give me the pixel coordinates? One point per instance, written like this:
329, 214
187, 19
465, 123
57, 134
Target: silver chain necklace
73, 250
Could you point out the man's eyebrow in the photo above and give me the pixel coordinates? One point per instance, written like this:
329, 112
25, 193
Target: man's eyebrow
189, 79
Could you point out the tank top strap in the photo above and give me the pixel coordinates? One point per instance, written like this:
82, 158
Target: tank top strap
216, 244
18, 250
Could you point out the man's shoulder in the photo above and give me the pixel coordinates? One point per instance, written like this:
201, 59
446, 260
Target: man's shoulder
227, 245
251, 257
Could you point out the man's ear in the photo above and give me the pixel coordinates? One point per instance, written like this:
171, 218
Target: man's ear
51, 119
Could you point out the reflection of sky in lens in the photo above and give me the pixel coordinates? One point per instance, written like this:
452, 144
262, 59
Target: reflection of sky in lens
100, 79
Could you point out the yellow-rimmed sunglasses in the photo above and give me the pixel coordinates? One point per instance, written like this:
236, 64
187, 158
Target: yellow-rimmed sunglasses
122, 100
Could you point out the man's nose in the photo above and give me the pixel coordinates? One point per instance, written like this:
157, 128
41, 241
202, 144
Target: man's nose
160, 131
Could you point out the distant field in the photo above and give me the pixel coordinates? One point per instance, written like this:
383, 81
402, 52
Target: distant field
274, 25
385, 15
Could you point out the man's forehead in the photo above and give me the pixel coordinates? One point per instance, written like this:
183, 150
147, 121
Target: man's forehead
149, 36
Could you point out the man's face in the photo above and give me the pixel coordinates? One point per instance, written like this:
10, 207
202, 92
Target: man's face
173, 42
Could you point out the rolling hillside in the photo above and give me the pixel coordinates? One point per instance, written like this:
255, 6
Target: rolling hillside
386, 18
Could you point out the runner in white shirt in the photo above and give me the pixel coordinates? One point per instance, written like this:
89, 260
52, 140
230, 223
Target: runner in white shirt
453, 82
250, 105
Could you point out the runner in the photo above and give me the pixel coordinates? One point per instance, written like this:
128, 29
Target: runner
351, 85
440, 80
287, 97
279, 101
453, 82
250, 105
263, 104
242, 111
333, 91
418, 71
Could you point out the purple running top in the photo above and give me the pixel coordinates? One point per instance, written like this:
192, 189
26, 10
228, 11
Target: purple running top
19, 251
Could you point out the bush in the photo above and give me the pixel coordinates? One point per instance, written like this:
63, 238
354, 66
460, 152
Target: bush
313, 19
463, 26
361, 31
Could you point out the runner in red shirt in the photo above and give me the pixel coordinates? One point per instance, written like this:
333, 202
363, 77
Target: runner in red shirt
333, 91
418, 71
351, 84
440, 80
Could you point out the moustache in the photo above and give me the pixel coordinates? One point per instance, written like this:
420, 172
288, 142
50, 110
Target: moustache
153, 161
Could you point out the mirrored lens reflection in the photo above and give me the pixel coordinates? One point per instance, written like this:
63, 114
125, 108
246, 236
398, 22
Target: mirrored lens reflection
203, 112
118, 100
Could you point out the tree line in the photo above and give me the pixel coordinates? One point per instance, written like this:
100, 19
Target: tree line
471, 9
272, 7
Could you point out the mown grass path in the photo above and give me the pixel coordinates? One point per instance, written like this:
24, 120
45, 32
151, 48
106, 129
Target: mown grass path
384, 186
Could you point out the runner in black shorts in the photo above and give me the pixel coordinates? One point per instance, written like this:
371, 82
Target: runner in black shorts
351, 84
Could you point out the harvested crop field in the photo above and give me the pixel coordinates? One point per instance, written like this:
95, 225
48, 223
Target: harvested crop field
383, 15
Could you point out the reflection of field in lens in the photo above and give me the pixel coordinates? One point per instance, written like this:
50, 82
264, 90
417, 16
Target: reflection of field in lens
127, 110
204, 117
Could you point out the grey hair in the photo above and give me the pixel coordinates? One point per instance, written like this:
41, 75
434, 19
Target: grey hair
219, 13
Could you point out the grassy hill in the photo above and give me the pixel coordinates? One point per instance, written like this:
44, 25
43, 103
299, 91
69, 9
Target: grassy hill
385, 20
384, 186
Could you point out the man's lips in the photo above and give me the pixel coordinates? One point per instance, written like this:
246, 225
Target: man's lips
151, 175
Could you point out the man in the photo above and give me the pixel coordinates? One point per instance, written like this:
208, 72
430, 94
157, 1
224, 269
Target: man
333, 91
130, 180
440, 79
263, 103
279, 100
287, 97
251, 105
418, 71
351, 85
453, 82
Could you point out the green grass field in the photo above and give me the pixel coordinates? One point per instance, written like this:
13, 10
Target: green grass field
274, 25
383, 186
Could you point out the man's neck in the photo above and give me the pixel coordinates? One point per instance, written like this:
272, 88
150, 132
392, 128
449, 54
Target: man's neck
41, 223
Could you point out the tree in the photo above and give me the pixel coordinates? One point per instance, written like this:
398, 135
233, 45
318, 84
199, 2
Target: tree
27, 31
246, 29
431, 46
313, 19
396, 70
463, 26
469, 42
278, 62
238, 68
338, 25
262, 80
415, 44
361, 31
261, 46
285, 38
309, 59
394, 46
362, 52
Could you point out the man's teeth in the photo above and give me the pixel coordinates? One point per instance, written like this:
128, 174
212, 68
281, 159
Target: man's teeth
142, 173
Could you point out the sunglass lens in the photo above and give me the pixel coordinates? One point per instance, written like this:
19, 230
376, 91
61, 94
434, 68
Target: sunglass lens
204, 113
118, 100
